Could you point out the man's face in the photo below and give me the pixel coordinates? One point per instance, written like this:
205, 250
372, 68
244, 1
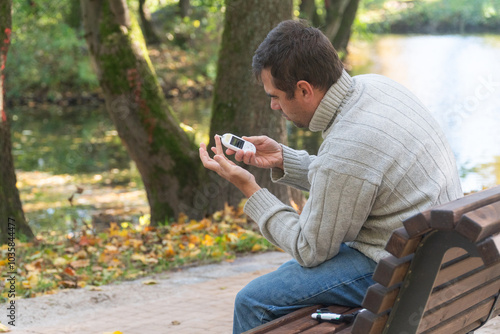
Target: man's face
293, 110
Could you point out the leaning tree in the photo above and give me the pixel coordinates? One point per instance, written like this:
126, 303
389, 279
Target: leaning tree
165, 157
11, 211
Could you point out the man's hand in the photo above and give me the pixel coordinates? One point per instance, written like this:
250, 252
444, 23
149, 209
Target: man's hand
269, 153
227, 169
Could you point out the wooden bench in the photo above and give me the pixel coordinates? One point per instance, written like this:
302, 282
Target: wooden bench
443, 276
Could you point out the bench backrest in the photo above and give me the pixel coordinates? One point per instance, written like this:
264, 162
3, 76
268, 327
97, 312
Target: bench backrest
443, 273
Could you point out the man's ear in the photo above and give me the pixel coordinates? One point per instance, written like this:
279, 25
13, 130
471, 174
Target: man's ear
304, 89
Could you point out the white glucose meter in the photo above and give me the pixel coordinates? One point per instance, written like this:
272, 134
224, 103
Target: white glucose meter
236, 143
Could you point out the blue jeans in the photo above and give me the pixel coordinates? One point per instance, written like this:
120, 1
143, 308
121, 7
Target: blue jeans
342, 280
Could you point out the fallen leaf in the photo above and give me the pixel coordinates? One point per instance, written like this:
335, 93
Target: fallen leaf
4, 329
149, 282
176, 323
60, 262
80, 264
69, 284
70, 271
208, 240
256, 248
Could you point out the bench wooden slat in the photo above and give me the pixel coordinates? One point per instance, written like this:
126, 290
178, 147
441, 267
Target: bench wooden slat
368, 323
458, 269
303, 324
267, 328
347, 330
463, 322
323, 328
450, 290
379, 299
391, 270
418, 224
326, 327
490, 249
446, 216
400, 244
459, 304
478, 224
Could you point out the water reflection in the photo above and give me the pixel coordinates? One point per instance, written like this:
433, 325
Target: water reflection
458, 78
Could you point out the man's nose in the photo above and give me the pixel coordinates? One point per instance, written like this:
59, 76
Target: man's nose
275, 105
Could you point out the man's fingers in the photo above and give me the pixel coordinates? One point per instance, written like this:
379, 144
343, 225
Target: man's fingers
223, 162
256, 140
239, 155
207, 162
247, 158
218, 146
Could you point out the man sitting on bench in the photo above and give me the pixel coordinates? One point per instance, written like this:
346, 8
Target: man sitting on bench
383, 159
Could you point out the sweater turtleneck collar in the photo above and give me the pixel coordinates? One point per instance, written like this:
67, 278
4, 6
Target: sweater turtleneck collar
331, 103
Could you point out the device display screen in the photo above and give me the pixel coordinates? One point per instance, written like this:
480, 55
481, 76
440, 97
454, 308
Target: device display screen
237, 142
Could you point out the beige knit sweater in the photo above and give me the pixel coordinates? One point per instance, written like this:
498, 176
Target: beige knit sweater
383, 159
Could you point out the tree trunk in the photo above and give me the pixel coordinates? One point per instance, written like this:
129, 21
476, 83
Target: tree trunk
184, 8
334, 12
239, 103
147, 26
11, 211
166, 158
309, 12
343, 34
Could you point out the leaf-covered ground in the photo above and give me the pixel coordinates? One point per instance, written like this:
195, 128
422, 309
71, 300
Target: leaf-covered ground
126, 251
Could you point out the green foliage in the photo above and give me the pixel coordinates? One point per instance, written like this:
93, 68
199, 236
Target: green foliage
197, 34
431, 16
46, 52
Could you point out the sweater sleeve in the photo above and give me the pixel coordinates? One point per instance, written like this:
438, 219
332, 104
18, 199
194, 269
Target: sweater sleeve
296, 168
337, 208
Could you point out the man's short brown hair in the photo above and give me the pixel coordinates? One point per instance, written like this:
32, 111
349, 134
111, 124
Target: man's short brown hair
295, 51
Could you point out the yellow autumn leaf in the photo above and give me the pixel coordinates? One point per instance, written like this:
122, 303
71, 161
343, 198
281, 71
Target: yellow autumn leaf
136, 243
169, 250
195, 252
256, 248
194, 239
208, 240
138, 257
195, 226
111, 249
231, 237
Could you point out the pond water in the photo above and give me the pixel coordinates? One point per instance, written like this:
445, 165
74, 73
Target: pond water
457, 77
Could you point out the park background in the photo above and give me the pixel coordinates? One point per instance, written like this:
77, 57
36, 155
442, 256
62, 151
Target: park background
108, 185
